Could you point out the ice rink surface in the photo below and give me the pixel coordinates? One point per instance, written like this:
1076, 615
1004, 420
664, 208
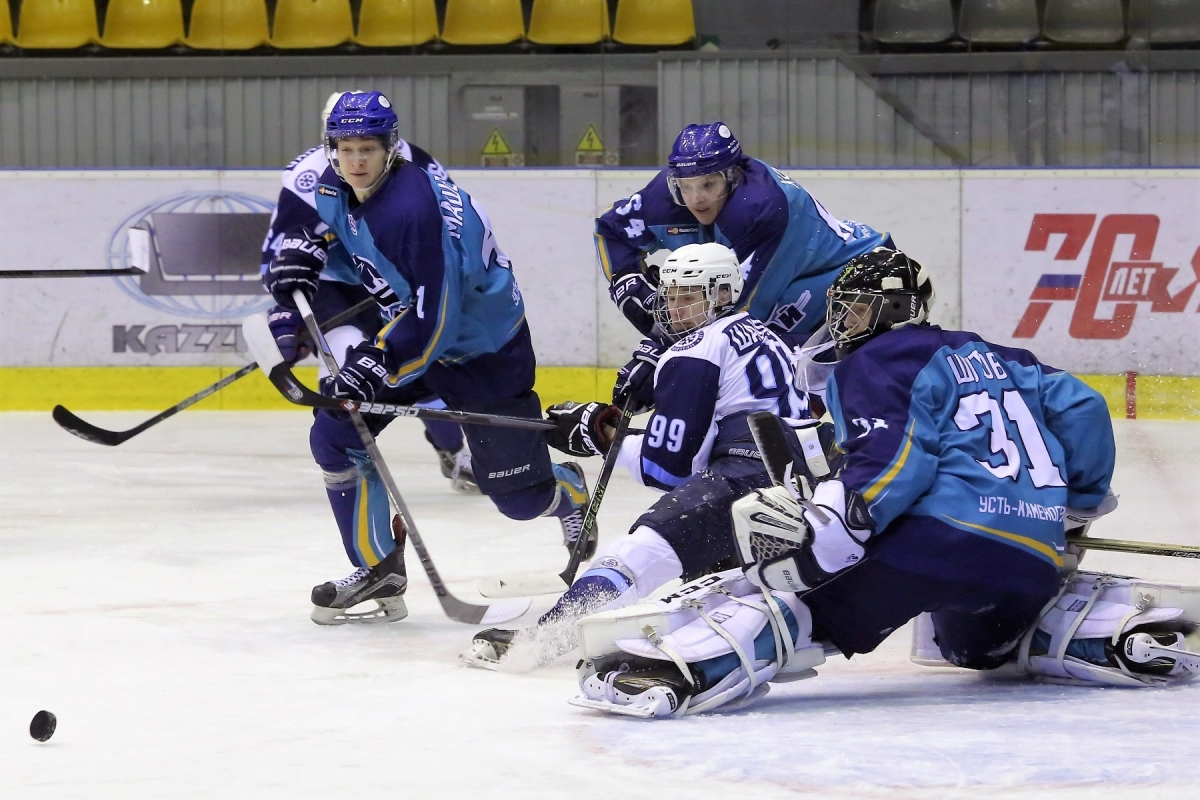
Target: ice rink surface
156, 600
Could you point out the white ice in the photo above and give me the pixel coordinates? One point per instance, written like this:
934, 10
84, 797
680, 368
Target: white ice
156, 600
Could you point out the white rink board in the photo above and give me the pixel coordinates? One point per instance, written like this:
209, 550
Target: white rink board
1103, 246
543, 220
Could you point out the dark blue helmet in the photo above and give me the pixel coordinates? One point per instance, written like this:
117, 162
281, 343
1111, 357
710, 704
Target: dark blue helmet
703, 150
360, 114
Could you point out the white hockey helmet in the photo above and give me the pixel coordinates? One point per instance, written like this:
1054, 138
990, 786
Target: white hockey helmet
712, 272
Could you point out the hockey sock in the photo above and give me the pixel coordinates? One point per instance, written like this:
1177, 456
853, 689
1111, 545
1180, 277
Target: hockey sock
444, 435
590, 591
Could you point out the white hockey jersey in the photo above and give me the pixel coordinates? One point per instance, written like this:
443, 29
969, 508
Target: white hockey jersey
704, 387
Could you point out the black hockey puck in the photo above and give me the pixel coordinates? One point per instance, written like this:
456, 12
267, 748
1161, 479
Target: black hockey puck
43, 725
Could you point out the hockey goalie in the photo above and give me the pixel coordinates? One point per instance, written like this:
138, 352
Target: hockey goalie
959, 468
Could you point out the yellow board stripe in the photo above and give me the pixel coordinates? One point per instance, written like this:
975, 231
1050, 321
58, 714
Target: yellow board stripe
152, 389
1034, 544
879, 485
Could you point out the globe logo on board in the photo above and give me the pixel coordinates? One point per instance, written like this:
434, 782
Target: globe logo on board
201, 252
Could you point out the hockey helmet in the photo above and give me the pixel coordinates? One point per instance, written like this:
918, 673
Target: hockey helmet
710, 269
362, 114
876, 292
704, 150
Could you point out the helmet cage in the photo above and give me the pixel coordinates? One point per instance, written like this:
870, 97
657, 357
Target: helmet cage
855, 317
710, 307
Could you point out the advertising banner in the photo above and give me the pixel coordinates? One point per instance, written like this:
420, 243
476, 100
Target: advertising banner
1094, 272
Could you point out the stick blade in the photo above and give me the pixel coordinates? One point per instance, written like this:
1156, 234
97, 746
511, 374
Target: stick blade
770, 434
533, 583
492, 614
85, 430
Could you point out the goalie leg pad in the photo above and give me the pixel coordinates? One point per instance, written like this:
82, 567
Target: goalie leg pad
725, 637
1108, 630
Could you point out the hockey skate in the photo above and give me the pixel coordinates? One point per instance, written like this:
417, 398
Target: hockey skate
456, 465
488, 648
656, 690
383, 583
573, 488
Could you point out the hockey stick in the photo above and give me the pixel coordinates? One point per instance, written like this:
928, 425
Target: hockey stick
769, 432
456, 609
292, 389
69, 273
545, 583
71, 423
1142, 548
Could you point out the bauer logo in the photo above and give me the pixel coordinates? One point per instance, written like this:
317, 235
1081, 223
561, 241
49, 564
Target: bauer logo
201, 253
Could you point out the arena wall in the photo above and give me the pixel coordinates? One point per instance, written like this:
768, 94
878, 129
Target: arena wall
1093, 270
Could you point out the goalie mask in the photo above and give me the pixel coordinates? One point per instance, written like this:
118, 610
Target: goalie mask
876, 292
697, 284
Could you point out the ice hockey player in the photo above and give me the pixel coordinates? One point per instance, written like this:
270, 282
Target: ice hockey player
457, 330
789, 246
298, 254
962, 461
697, 447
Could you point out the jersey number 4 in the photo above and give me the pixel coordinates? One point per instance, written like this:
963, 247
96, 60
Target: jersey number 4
1042, 469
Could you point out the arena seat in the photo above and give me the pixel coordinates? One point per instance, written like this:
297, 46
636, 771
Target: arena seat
914, 21
396, 23
483, 22
569, 22
1084, 21
143, 24
998, 21
6, 31
306, 24
1165, 21
228, 25
57, 24
654, 22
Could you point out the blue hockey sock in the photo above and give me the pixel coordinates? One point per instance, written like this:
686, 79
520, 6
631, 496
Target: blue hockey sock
590, 591
444, 435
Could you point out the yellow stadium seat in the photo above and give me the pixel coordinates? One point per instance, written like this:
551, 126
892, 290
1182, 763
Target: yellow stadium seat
569, 21
57, 24
228, 25
483, 22
655, 22
6, 31
396, 23
143, 24
312, 23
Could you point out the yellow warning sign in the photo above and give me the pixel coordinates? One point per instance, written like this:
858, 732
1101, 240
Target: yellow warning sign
496, 146
590, 143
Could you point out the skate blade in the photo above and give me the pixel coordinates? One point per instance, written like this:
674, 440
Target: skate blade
641, 712
464, 487
481, 656
388, 609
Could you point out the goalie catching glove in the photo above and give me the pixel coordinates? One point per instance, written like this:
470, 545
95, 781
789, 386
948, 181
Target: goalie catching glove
581, 427
789, 546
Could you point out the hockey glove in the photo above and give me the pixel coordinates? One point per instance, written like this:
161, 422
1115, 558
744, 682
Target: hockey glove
636, 379
297, 266
785, 546
362, 375
286, 324
634, 295
581, 427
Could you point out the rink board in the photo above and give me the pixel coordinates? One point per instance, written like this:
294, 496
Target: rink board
1092, 270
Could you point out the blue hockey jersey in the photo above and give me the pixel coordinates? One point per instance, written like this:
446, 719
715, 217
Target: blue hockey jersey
297, 207
790, 247
427, 241
982, 437
705, 385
